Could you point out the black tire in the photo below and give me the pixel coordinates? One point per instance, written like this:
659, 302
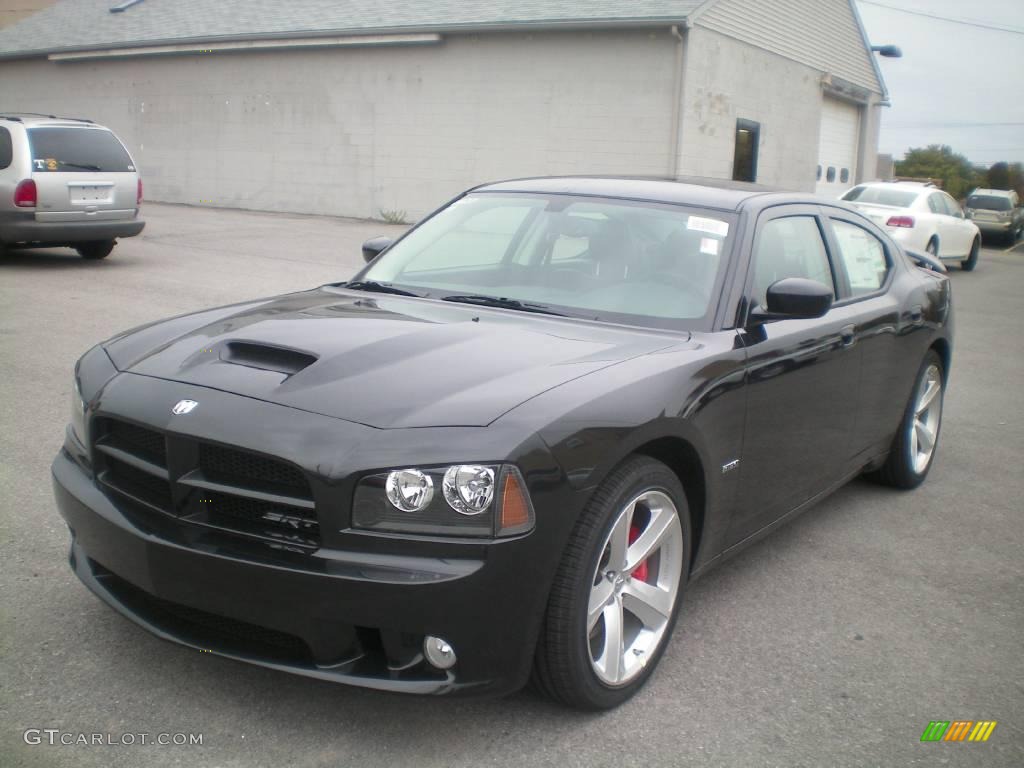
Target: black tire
95, 249
899, 470
562, 668
971, 262
932, 247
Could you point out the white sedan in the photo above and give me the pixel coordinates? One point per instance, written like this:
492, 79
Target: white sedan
920, 217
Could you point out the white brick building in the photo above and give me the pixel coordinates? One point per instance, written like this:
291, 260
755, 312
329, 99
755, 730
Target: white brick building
338, 108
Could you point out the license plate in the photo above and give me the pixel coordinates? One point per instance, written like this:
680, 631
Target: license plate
99, 193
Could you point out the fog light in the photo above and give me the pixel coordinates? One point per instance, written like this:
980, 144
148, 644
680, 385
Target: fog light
438, 652
409, 489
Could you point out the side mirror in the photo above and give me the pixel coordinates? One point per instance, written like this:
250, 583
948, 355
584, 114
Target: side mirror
373, 247
794, 298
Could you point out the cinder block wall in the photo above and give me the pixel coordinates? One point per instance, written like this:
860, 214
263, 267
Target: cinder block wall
726, 79
352, 132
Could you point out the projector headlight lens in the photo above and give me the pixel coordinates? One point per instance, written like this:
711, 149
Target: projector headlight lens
469, 488
409, 489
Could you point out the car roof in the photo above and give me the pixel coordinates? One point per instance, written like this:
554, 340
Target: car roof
721, 194
994, 192
32, 120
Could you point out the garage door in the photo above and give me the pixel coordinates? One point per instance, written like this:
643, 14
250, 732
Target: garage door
837, 147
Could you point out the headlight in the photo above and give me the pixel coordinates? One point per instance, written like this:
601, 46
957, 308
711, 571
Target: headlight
78, 409
481, 500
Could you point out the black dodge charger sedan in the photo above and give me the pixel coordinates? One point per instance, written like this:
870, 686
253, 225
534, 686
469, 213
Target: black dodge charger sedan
504, 448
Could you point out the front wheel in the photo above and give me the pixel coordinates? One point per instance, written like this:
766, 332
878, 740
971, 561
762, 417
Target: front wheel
972, 258
96, 249
616, 595
913, 448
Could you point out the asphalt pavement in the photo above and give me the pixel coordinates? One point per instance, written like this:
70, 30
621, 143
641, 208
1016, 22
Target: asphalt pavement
833, 642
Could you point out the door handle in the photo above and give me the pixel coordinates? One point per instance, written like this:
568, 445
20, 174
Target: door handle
916, 314
848, 333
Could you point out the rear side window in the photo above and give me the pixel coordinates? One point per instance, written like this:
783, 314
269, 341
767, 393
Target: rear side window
77, 150
6, 151
863, 257
790, 247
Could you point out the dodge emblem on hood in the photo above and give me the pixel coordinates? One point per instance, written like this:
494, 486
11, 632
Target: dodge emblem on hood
183, 406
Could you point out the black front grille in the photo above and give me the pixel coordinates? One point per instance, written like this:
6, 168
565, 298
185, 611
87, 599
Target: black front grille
140, 485
147, 443
231, 466
207, 484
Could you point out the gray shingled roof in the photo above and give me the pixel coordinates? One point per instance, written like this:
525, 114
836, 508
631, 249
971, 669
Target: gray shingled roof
76, 25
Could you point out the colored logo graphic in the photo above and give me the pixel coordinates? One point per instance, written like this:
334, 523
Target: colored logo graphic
958, 730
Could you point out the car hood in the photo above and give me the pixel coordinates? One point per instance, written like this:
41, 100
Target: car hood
380, 360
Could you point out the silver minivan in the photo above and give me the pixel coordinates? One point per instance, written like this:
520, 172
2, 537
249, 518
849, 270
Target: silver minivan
65, 182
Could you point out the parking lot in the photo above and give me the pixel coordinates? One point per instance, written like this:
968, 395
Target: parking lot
831, 643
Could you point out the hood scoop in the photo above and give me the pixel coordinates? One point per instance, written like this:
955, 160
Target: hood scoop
266, 357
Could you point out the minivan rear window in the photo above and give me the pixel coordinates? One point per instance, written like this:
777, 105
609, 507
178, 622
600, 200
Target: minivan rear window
989, 203
77, 150
898, 198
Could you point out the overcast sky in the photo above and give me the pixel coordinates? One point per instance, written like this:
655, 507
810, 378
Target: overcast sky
956, 84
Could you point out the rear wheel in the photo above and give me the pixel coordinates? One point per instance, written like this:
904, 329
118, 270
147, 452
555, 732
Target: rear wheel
972, 259
913, 448
615, 597
932, 247
95, 249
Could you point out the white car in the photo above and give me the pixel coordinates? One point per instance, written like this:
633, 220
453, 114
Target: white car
920, 217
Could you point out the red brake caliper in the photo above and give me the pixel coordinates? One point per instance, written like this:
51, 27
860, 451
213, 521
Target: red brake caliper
640, 572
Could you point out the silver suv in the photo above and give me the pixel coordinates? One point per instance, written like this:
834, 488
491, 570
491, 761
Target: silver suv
65, 182
997, 212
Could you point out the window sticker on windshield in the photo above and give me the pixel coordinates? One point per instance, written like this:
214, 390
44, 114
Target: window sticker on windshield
709, 246
711, 226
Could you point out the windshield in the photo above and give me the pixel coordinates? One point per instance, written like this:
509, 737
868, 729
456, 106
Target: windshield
77, 150
898, 198
989, 202
639, 263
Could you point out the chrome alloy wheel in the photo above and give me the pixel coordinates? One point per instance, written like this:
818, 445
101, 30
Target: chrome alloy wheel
924, 428
634, 587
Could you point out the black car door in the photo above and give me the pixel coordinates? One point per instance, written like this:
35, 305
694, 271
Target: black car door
801, 379
883, 327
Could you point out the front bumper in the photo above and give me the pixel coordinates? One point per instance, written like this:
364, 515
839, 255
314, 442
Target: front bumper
23, 228
352, 617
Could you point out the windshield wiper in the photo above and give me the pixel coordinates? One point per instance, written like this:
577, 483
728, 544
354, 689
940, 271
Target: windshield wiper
95, 168
501, 303
374, 287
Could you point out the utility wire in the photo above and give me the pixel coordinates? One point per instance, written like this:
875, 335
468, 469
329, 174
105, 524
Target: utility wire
978, 24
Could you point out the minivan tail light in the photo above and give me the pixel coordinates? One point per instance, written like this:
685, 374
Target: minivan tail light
25, 194
906, 222
138, 197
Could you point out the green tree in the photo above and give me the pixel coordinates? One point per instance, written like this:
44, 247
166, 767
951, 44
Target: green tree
1006, 176
938, 161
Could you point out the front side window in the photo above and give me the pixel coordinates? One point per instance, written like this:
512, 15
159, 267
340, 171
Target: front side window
863, 258
77, 150
790, 247
638, 263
